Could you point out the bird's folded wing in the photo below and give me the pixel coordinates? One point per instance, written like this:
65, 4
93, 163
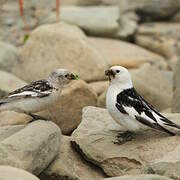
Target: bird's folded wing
138, 108
36, 89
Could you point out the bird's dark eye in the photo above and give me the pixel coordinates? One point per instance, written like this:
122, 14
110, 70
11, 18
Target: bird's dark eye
66, 75
117, 71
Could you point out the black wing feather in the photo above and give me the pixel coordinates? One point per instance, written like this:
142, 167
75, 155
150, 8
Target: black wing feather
40, 87
131, 98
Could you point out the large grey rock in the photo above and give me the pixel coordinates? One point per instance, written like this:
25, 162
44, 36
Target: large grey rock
96, 20
59, 45
32, 148
102, 20
93, 138
70, 165
139, 177
150, 9
8, 56
125, 54
66, 113
9, 173
7, 131
176, 88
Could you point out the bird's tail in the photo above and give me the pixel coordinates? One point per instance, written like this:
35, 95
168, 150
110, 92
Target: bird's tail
174, 125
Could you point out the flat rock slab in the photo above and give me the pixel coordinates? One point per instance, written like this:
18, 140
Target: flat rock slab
33, 148
9, 173
94, 136
70, 165
139, 177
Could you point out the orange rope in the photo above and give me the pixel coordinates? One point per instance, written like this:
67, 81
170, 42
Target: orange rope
21, 9
57, 10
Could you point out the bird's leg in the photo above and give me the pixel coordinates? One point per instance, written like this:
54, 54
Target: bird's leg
124, 137
36, 117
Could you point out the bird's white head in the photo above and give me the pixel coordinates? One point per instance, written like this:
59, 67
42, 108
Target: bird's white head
119, 75
61, 77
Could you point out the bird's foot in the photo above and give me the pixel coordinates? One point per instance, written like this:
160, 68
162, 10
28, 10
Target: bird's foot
36, 117
124, 137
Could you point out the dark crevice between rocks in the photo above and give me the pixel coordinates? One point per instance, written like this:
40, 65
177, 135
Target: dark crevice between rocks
151, 17
54, 177
93, 164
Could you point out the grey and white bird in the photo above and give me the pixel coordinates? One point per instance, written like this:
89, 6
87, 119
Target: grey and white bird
129, 109
38, 95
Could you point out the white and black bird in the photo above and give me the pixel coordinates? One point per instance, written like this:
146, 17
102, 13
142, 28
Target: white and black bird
38, 95
128, 108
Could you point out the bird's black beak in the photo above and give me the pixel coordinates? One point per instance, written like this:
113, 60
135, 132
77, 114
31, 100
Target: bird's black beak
109, 73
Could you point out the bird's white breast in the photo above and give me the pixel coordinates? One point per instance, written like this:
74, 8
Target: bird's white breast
124, 120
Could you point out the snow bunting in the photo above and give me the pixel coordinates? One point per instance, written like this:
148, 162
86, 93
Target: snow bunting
128, 108
38, 95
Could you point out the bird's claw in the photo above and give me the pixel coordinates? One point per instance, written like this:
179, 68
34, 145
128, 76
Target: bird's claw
123, 137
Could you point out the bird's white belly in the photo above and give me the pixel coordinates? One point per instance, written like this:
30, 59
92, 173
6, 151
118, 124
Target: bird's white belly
127, 122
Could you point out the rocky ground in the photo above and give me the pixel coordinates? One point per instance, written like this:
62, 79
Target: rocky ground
91, 36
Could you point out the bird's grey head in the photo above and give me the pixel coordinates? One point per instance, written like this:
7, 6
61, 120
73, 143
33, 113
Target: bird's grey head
61, 77
119, 75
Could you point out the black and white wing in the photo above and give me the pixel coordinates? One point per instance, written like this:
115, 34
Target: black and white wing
131, 103
36, 89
